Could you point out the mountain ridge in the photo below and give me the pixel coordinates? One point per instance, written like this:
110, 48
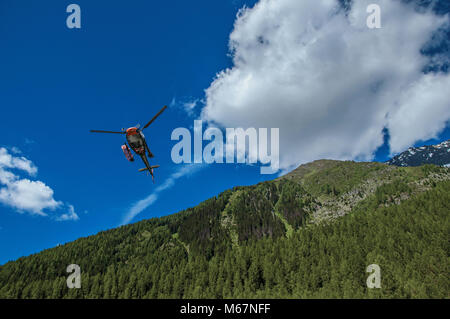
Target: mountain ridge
217, 249
438, 154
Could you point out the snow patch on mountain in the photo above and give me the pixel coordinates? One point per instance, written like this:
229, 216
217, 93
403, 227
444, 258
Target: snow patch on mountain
438, 154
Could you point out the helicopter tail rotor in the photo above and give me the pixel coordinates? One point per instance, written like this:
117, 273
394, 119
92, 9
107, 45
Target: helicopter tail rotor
146, 169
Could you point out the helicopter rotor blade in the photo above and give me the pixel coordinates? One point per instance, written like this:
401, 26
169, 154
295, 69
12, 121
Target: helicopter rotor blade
100, 131
154, 117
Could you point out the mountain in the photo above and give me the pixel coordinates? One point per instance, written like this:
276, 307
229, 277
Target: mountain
309, 234
429, 154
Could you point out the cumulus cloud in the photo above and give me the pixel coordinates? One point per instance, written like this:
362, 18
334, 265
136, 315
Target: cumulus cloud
143, 204
23, 194
422, 112
27, 195
329, 82
21, 163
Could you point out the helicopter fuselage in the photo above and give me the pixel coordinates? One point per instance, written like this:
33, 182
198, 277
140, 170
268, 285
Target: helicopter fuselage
136, 140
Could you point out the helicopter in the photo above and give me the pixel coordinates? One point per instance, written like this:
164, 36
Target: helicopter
136, 140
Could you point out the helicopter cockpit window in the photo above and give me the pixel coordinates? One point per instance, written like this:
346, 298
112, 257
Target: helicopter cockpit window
135, 141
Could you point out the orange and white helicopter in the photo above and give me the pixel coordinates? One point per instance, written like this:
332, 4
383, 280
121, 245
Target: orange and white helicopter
137, 142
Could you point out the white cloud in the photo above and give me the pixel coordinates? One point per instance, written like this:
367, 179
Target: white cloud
21, 163
30, 196
70, 215
23, 194
327, 81
422, 112
143, 204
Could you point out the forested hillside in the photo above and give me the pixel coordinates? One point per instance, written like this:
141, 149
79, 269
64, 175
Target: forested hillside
309, 234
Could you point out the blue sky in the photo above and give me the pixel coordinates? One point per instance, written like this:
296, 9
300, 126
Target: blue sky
126, 62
